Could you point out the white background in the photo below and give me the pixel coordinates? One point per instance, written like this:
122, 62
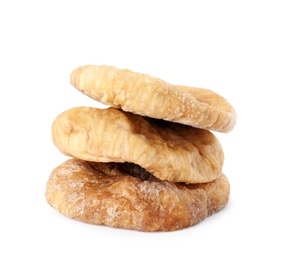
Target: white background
234, 48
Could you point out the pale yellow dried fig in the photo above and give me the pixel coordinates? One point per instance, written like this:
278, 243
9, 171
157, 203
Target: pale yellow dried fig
149, 96
170, 151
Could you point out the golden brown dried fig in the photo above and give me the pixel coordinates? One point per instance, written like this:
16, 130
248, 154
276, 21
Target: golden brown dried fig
105, 194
